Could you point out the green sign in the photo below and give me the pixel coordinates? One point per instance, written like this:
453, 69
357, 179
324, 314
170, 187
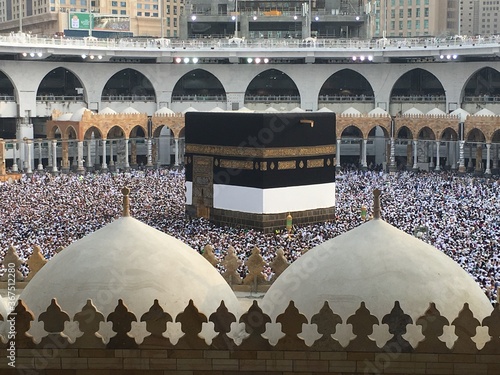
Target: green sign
80, 21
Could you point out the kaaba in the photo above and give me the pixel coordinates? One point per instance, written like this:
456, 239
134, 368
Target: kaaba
254, 169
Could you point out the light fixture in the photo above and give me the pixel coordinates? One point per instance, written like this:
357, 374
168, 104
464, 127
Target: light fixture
255, 18
84, 56
178, 60
32, 54
441, 57
370, 58
316, 18
354, 58
233, 18
195, 60
99, 57
40, 54
257, 60
91, 57
362, 58
249, 60
454, 57
193, 17
295, 18
266, 60
25, 54
357, 18
448, 57
186, 60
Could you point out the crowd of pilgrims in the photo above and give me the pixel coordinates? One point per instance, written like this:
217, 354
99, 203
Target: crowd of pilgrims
457, 214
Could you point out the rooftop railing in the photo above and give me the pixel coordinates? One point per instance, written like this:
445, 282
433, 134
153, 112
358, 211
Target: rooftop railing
28, 40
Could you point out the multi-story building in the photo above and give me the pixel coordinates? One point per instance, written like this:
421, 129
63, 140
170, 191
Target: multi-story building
411, 18
104, 17
273, 19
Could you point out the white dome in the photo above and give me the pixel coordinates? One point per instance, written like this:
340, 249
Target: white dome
351, 111
378, 264
244, 109
484, 112
190, 109
297, 110
107, 111
377, 112
164, 111
130, 111
217, 109
65, 117
324, 109
77, 116
436, 112
271, 110
413, 111
460, 113
129, 260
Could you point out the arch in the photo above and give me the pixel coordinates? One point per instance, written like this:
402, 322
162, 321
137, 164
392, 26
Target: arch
373, 130
95, 130
475, 135
274, 85
426, 133
482, 86
449, 134
138, 131
54, 132
420, 83
198, 84
404, 132
6, 87
495, 138
352, 131
343, 84
115, 132
60, 81
70, 133
128, 84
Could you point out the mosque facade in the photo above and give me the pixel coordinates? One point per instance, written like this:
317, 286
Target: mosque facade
402, 104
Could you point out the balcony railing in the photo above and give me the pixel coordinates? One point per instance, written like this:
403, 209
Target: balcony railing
418, 98
198, 98
59, 98
128, 98
346, 98
272, 98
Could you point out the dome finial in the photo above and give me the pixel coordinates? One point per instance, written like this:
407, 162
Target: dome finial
126, 201
376, 204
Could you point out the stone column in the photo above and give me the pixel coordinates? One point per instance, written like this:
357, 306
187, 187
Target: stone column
49, 155
54, 156
488, 147
150, 153
133, 153
127, 165
430, 152
104, 166
409, 155
89, 154
156, 152
176, 140
14, 158
65, 154
415, 144
392, 155
479, 159
337, 154
461, 162
40, 164
363, 154
495, 158
2, 157
470, 166
111, 161
80, 168
28, 143
438, 163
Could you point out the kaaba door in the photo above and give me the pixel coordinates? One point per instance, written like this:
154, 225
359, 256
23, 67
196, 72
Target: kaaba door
203, 185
